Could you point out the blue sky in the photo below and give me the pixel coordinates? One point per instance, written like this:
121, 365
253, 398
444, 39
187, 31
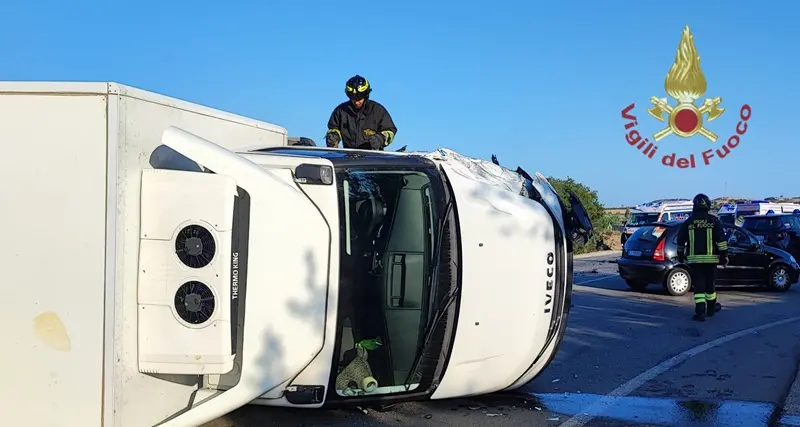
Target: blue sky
540, 84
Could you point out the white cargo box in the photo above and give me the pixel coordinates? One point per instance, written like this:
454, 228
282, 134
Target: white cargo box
72, 160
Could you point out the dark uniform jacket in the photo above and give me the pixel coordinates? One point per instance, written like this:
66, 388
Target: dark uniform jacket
702, 239
356, 126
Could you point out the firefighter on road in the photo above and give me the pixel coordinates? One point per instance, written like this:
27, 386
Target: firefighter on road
360, 122
702, 245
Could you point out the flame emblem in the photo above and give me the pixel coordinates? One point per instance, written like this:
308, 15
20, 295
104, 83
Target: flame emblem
685, 83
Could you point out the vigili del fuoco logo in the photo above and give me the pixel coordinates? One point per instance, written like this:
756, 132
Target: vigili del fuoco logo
685, 84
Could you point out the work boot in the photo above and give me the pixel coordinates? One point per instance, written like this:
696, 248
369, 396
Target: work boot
711, 308
699, 312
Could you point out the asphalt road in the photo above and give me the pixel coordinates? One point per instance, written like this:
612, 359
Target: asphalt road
628, 359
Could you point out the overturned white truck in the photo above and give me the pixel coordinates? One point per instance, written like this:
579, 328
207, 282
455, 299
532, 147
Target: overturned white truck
166, 263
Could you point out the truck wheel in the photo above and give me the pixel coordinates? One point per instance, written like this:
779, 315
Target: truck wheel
636, 286
678, 282
779, 278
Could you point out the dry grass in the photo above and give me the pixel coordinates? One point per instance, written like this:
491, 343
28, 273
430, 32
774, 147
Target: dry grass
611, 240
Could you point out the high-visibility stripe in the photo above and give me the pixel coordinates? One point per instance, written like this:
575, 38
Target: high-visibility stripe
709, 242
698, 298
691, 242
711, 297
702, 259
722, 246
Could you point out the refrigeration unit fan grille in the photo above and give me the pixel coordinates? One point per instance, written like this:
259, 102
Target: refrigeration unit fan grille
194, 302
195, 246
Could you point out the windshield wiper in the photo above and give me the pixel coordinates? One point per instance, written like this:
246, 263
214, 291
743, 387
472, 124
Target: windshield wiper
448, 299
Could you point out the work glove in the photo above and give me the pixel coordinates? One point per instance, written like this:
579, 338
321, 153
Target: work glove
376, 141
332, 139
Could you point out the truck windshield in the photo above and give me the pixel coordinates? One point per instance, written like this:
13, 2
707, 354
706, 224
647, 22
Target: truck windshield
388, 229
640, 218
727, 218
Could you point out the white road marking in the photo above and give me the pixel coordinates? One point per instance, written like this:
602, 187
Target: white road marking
597, 279
596, 409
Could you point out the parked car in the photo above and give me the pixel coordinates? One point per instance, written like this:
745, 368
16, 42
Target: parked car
780, 230
650, 256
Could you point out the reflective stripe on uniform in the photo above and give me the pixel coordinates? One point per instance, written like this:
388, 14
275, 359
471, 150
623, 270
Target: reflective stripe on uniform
699, 298
702, 259
711, 297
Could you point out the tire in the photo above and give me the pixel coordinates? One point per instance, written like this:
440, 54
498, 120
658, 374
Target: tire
678, 282
779, 278
636, 286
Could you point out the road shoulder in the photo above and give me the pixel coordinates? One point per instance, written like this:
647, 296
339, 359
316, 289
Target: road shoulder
791, 405
596, 254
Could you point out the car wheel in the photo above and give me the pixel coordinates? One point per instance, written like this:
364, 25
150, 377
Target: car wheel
779, 278
636, 286
678, 282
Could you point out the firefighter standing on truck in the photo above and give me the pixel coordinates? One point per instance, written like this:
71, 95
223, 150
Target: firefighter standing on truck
360, 122
702, 245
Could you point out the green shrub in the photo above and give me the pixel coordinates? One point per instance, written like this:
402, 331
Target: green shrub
601, 221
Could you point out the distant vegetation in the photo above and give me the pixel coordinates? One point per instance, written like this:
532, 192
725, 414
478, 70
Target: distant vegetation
608, 220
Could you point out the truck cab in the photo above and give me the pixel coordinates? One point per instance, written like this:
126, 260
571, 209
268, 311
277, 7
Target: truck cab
410, 264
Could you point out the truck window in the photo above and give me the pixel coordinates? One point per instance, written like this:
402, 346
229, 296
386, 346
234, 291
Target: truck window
389, 224
727, 218
640, 218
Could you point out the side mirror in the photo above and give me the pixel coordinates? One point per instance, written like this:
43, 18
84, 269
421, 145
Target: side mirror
580, 226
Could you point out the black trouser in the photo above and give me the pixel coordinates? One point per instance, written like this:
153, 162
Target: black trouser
705, 293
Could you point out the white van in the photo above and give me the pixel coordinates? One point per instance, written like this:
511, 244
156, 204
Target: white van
762, 207
656, 211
